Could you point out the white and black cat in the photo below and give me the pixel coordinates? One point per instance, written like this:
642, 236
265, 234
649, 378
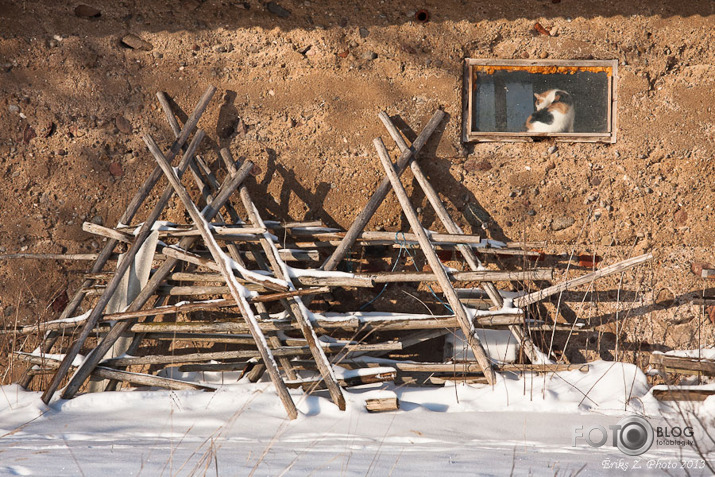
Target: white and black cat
554, 112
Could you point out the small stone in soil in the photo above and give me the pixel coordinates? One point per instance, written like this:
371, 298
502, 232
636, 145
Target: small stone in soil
9, 310
135, 43
276, 9
116, 169
98, 220
472, 165
561, 223
28, 134
364, 32
123, 124
85, 11
369, 55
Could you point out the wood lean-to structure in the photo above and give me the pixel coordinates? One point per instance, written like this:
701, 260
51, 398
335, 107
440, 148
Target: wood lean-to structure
244, 308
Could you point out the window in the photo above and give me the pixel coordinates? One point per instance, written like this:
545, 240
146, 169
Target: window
523, 100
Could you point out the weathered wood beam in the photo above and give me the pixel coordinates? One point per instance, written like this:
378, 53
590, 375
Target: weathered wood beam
426, 246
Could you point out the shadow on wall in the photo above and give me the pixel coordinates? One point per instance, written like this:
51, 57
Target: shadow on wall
156, 16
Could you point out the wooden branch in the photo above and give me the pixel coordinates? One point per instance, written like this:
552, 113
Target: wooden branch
246, 354
426, 246
392, 237
582, 280
379, 195
465, 368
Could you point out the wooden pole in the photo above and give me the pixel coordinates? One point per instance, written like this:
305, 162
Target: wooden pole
437, 268
473, 261
139, 379
295, 305
478, 276
582, 280
379, 195
238, 292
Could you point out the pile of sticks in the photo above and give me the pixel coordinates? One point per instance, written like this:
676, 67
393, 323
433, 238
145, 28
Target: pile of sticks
246, 309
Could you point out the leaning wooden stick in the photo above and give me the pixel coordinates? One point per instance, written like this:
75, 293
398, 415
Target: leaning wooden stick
464, 321
379, 195
238, 292
122, 268
473, 261
582, 280
294, 305
149, 289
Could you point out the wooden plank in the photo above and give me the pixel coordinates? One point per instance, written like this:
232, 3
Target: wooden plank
684, 365
384, 404
466, 367
380, 375
674, 393
582, 280
426, 246
139, 379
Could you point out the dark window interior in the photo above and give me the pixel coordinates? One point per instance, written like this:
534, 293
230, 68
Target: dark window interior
503, 100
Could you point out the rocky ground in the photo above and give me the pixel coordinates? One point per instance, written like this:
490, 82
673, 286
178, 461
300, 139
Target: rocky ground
300, 85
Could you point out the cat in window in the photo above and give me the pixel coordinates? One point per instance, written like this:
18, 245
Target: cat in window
554, 112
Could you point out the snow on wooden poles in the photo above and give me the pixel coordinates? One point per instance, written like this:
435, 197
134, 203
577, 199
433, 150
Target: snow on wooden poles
238, 292
582, 280
434, 262
150, 288
529, 347
379, 195
114, 283
295, 305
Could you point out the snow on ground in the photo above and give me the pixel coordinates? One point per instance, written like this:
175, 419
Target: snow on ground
521, 425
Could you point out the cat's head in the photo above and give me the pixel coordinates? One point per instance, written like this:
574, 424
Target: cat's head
544, 99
